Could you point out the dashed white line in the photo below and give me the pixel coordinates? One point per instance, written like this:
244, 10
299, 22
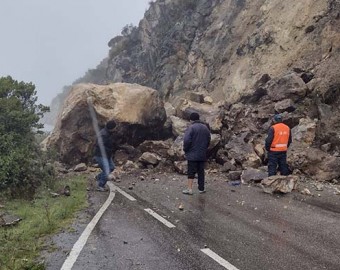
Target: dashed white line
218, 259
124, 193
79, 245
159, 218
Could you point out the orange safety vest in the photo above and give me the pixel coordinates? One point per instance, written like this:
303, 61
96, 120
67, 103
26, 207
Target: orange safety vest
281, 137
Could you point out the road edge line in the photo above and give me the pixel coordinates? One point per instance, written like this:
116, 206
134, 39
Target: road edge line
79, 245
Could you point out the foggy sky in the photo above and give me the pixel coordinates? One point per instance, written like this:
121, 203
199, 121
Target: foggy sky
53, 43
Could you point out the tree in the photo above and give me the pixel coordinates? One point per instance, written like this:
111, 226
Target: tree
21, 166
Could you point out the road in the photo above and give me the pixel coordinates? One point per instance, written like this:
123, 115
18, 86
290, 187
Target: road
242, 227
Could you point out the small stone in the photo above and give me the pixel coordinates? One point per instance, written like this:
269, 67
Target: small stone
306, 191
125, 242
130, 187
337, 191
181, 207
319, 195
334, 181
319, 187
142, 178
205, 246
54, 194
133, 183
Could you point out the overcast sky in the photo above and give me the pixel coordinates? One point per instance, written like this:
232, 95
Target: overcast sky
53, 43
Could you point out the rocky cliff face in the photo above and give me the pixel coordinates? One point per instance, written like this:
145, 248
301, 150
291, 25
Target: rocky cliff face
224, 47
237, 63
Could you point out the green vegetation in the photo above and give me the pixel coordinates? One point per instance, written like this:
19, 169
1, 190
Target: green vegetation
44, 215
23, 167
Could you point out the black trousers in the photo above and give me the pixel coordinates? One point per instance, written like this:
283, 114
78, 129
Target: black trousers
277, 160
197, 167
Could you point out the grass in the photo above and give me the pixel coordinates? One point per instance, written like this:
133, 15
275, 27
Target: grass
21, 245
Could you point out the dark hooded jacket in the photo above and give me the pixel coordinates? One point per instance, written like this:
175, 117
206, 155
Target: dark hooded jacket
108, 143
196, 141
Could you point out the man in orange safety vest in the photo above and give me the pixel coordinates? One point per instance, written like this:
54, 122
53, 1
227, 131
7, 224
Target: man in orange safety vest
277, 142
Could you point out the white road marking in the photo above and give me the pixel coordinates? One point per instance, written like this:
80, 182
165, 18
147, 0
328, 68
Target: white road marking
124, 193
218, 259
159, 218
79, 245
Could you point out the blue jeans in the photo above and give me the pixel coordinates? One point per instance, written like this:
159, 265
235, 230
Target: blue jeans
277, 160
107, 166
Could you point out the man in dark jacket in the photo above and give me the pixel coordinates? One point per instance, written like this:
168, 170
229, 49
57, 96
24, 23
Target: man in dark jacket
277, 142
105, 145
196, 141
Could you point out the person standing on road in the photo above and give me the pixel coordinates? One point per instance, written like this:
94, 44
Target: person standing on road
196, 141
104, 150
277, 142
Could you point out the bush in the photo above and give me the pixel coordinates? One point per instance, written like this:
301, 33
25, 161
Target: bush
21, 161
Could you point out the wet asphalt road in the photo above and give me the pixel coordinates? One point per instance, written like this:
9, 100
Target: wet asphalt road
243, 225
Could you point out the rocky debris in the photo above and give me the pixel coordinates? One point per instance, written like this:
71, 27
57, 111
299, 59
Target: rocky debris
130, 166
148, 158
176, 150
160, 148
181, 167
234, 95
253, 175
305, 132
337, 191
319, 187
81, 167
8, 220
286, 105
178, 125
234, 175
242, 151
228, 166
314, 162
289, 86
279, 183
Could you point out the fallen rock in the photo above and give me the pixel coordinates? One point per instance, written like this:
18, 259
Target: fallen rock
251, 174
8, 220
279, 183
306, 191
181, 167
234, 175
74, 137
148, 158
81, 167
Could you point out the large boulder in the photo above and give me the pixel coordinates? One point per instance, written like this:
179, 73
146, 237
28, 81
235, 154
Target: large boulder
209, 114
279, 183
242, 151
305, 132
314, 162
289, 86
138, 110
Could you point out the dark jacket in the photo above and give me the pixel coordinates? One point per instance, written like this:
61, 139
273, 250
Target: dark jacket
196, 141
108, 143
270, 138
